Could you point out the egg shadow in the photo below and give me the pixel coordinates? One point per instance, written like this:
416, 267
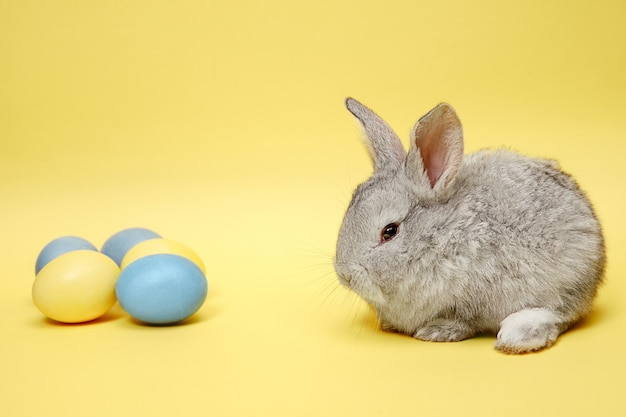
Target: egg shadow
205, 314
114, 314
208, 311
194, 319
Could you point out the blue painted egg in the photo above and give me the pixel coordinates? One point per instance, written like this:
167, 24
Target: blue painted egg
121, 242
59, 247
161, 289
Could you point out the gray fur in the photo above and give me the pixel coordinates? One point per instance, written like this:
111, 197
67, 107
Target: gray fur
490, 242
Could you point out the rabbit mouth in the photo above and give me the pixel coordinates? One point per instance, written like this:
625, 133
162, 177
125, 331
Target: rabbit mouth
348, 273
356, 278
344, 279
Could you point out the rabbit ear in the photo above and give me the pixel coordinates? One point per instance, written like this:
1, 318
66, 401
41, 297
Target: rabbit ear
437, 146
383, 144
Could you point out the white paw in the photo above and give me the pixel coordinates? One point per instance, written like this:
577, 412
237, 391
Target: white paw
528, 331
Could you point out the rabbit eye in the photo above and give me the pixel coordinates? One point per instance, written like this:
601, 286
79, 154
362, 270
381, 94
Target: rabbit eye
389, 232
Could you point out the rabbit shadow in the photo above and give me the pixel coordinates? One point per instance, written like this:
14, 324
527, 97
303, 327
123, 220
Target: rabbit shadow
598, 315
366, 322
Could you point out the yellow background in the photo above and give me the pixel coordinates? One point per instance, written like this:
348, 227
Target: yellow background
221, 124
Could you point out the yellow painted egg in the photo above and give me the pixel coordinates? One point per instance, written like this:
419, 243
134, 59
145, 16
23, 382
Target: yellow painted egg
76, 287
161, 247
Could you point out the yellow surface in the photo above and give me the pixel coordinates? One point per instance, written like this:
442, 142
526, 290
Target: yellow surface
220, 124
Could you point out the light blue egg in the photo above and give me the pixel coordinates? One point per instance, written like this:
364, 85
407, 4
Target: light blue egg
121, 242
60, 246
161, 289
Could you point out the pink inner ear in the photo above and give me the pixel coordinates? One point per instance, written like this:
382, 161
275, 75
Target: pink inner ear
433, 154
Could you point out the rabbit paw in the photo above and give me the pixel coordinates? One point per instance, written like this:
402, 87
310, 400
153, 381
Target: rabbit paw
443, 331
528, 331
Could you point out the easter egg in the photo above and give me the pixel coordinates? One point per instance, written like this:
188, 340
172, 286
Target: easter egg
60, 246
161, 289
77, 286
161, 246
121, 242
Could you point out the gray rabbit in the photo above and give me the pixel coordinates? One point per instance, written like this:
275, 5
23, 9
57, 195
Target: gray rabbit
446, 246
